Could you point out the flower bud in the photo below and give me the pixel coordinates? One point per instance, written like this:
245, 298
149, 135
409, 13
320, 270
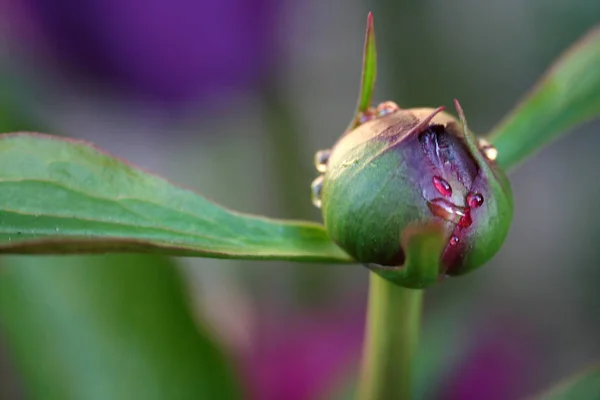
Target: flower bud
406, 188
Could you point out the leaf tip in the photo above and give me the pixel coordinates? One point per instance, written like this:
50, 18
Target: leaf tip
461, 114
370, 26
368, 74
369, 53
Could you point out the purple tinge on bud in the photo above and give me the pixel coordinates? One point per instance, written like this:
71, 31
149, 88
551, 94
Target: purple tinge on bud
416, 166
454, 172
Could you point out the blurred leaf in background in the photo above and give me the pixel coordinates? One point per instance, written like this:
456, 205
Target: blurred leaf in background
584, 385
107, 327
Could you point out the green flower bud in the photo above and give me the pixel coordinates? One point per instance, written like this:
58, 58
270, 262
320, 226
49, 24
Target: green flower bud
413, 195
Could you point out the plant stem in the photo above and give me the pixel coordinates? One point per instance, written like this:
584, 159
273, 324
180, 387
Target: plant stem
393, 319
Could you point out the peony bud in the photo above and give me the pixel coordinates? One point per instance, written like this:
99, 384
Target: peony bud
413, 195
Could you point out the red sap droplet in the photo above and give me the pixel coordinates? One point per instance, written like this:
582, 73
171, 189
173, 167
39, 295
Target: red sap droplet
442, 186
454, 240
474, 199
465, 221
447, 210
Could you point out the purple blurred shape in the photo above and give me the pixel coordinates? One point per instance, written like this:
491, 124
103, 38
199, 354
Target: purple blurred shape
498, 366
176, 50
303, 357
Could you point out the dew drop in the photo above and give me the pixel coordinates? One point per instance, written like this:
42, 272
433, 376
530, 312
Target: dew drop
474, 200
454, 240
316, 188
387, 107
447, 210
321, 160
488, 150
442, 186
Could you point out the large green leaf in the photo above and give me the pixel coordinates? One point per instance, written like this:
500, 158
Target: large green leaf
566, 96
106, 327
65, 196
583, 386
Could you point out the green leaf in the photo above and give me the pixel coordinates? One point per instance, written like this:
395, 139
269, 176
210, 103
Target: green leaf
65, 196
107, 327
568, 95
583, 386
369, 74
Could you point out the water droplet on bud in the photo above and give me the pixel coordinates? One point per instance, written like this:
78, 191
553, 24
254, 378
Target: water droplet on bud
454, 240
387, 107
316, 188
442, 186
474, 200
488, 150
321, 160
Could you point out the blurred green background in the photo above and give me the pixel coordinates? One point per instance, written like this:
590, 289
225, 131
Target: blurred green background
232, 98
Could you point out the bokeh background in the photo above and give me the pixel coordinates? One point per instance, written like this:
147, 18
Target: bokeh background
233, 98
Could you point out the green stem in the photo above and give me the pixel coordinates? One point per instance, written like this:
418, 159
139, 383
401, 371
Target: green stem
393, 319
